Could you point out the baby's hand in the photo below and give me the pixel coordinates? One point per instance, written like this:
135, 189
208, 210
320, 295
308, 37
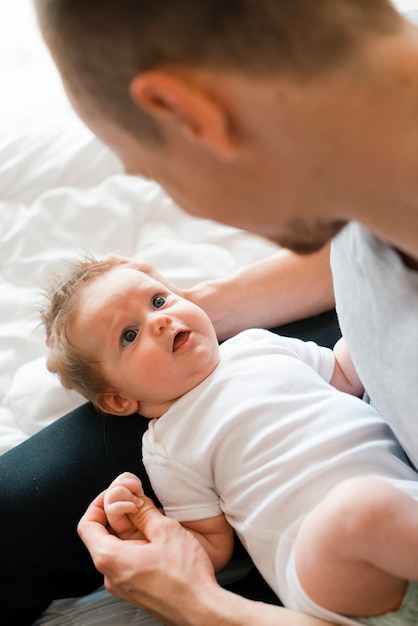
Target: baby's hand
123, 497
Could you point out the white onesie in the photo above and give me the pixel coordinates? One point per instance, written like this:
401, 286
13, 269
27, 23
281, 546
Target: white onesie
263, 439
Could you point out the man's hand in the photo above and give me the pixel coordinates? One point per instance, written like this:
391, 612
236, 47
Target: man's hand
158, 573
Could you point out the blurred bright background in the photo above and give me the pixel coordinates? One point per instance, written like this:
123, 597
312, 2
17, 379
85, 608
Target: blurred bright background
28, 77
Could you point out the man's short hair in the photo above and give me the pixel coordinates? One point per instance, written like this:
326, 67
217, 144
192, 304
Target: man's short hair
100, 45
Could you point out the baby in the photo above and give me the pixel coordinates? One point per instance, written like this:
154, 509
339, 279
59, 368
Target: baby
254, 435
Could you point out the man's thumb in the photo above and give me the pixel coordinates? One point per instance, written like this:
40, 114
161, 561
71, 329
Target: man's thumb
147, 518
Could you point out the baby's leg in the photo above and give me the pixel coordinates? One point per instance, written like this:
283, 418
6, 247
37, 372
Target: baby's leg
358, 547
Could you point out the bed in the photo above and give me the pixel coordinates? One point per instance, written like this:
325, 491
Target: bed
64, 194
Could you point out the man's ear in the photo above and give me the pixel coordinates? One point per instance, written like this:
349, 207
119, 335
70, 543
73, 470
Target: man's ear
198, 115
115, 404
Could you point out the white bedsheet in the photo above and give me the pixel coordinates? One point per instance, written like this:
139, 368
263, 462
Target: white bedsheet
63, 194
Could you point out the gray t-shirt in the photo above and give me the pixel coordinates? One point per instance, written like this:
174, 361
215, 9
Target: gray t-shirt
377, 306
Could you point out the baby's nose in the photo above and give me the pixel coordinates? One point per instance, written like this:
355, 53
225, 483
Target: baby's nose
161, 322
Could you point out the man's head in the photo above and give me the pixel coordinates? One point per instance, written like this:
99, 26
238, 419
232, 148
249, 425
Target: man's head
100, 46
123, 339
260, 114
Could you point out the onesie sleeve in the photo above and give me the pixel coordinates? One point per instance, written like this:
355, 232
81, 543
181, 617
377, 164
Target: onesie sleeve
185, 495
319, 358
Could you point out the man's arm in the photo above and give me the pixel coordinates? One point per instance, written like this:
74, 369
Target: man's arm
282, 288
170, 576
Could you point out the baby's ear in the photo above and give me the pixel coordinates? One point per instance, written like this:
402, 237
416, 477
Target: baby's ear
115, 404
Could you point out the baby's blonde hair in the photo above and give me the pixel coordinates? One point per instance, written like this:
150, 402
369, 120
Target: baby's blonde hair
76, 369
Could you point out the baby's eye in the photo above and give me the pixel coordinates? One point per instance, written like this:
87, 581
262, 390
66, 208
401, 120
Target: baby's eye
158, 302
129, 336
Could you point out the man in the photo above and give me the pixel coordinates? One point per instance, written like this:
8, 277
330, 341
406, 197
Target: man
287, 119
290, 119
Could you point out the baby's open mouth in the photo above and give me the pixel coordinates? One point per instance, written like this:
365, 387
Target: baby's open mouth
180, 338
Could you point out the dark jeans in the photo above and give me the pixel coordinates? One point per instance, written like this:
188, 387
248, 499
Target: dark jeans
46, 484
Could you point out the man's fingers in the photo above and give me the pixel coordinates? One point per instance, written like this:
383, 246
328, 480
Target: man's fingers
149, 520
92, 526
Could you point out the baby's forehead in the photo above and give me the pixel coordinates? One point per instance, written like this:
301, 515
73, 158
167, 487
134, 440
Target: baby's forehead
133, 274
121, 278
110, 292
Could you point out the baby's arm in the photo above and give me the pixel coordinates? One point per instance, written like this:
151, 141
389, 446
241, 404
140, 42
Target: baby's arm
123, 498
345, 377
216, 536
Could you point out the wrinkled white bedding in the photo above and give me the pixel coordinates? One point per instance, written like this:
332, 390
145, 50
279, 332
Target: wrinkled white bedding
63, 194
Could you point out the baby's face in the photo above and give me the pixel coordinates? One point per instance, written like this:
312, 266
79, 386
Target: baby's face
152, 345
